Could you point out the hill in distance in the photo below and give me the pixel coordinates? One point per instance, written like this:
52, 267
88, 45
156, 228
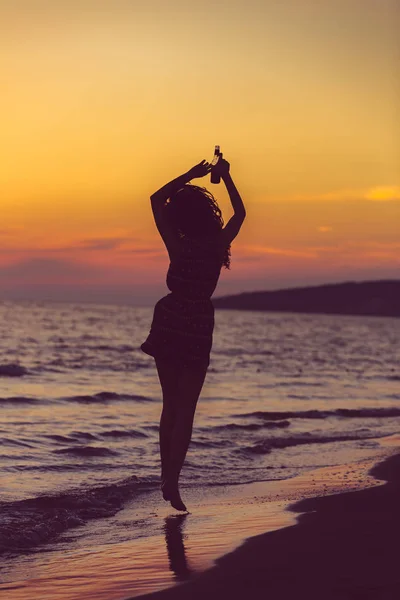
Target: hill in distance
376, 298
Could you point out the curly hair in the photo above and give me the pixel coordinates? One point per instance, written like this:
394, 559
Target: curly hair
194, 212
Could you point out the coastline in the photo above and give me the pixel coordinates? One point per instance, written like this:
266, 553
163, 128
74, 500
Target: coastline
254, 539
342, 545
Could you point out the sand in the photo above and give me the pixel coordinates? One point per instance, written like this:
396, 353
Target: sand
344, 545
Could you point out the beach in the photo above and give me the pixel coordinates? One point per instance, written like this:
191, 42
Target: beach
343, 545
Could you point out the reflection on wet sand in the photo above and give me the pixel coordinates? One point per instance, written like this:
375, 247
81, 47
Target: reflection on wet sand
173, 529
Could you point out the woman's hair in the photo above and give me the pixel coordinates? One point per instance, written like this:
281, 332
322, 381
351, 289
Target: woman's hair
194, 213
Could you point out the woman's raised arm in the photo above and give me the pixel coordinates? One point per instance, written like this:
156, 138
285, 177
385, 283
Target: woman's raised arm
236, 200
162, 195
234, 224
159, 198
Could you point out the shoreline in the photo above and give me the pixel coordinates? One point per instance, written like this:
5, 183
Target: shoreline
340, 545
185, 556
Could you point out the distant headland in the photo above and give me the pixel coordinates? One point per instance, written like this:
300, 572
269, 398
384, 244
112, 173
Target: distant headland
375, 298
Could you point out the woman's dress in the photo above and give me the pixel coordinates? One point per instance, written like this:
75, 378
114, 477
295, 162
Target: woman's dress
183, 320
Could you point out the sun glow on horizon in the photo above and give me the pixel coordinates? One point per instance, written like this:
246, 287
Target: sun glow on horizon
105, 102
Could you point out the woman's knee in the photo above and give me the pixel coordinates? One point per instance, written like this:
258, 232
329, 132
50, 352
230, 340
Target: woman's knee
168, 414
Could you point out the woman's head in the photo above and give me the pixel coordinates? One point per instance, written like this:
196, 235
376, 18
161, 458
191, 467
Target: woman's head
194, 212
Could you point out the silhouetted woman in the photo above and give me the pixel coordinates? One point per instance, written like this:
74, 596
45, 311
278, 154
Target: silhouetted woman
180, 339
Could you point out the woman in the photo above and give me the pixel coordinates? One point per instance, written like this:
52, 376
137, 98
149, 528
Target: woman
191, 226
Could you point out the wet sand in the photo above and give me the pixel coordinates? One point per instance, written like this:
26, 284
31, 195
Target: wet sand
344, 545
339, 540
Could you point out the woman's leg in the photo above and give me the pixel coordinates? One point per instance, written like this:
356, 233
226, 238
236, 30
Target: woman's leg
190, 385
168, 374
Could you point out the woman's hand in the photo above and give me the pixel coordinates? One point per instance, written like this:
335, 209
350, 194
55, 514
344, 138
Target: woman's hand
222, 167
199, 170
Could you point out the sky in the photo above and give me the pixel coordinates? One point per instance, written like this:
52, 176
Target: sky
103, 102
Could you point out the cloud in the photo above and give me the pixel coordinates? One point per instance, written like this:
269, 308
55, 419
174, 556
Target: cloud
385, 255
383, 193
370, 243
11, 230
102, 243
149, 251
119, 245
359, 249
48, 269
281, 251
243, 258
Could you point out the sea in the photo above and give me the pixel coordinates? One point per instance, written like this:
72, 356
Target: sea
80, 405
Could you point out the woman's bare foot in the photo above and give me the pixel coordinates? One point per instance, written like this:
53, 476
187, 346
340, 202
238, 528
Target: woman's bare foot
171, 492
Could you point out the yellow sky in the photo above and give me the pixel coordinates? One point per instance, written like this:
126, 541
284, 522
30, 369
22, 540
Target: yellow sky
105, 101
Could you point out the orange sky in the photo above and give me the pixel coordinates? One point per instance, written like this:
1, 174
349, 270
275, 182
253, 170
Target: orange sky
105, 101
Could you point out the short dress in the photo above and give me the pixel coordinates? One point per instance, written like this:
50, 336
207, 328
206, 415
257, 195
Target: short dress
183, 320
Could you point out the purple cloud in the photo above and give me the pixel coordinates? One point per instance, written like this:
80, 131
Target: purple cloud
47, 268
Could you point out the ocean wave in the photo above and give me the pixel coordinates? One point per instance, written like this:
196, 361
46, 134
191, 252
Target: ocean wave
96, 362
349, 413
27, 523
86, 451
89, 364
46, 369
252, 426
12, 442
393, 377
267, 446
197, 443
13, 370
132, 433
11, 457
298, 382
122, 348
75, 436
84, 435
245, 352
230, 351
107, 397
64, 439
18, 400
78, 467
